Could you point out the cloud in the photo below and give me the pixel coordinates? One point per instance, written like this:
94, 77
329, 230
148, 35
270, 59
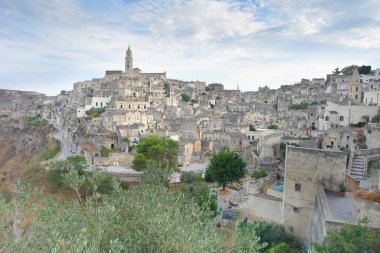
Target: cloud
48, 45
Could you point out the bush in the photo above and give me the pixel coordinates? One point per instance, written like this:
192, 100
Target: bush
252, 128
259, 174
185, 98
95, 112
271, 234
282, 248
51, 153
300, 106
273, 126
6, 194
187, 177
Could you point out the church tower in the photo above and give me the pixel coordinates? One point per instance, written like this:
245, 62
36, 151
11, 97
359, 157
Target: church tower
354, 88
129, 62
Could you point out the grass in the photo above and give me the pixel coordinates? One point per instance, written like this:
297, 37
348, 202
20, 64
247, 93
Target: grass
51, 153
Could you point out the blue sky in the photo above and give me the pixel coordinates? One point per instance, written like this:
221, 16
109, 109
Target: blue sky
46, 46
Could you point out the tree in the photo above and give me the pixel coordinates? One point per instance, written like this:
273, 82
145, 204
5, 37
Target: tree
273, 126
147, 219
351, 239
336, 71
252, 127
226, 167
185, 98
154, 150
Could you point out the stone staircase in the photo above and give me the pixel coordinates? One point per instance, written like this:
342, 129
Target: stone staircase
360, 161
358, 169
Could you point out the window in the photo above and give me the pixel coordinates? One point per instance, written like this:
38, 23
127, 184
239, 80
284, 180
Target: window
121, 106
341, 118
129, 106
297, 187
327, 118
332, 143
101, 104
357, 88
356, 96
138, 107
296, 209
144, 106
96, 104
348, 137
347, 146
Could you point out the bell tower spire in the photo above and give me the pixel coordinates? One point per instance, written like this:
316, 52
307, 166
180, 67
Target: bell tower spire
129, 62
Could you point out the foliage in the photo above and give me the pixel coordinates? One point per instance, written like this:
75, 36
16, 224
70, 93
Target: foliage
270, 234
194, 101
155, 150
342, 187
252, 127
146, 219
323, 101
300, 106
351, 239
283, 150
365, 70
51, 153
336, 71
259, 174
64, 92
204, 197
5, 194
226, 167
282, 248
360, 124
376, 118
349, 70
187, 177
185, 98
105, 151
59, 168
273, 126
35, 122
95, 112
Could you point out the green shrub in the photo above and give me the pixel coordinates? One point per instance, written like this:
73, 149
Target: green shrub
51, 153
273, 126
259, 174
187, 177
95, 112
185, 98
6, 194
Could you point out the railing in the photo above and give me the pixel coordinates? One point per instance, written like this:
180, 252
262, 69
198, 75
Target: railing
370, 152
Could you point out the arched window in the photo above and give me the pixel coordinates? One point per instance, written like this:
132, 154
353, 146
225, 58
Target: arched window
341, 118
327, 118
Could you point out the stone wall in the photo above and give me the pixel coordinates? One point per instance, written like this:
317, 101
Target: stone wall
266, 208
370, 210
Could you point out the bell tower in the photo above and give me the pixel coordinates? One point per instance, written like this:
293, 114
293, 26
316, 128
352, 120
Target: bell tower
129, 62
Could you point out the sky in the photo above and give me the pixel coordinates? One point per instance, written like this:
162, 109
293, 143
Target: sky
47, 45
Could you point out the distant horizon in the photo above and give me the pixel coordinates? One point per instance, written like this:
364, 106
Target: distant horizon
48, 46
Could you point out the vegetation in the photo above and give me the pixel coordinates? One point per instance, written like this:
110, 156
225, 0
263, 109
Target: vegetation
351, 239
95, 112
365, 70
146, 219
300, 106
273, 126
272, 235
106, 151
259, 174
194, 101
252, 127
376, 118
185, 98
336, 71
5, 195
323, 101
51, 153
283, 150
226, 167
360, 124
154, 150
342, 187
35, 122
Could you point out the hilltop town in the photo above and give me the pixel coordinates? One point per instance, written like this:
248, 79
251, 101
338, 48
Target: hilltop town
309, 138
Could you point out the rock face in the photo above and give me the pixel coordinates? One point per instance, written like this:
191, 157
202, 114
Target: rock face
23, 133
